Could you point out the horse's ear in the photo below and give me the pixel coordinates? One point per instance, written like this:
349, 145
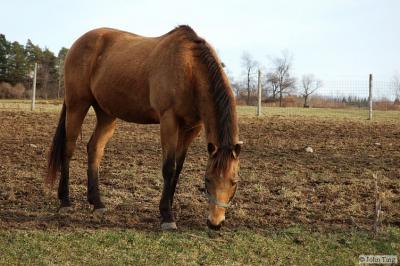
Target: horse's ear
236, 149
212, 149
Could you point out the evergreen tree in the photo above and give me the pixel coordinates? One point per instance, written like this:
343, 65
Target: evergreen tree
33, 54
4, 53
16, 64
60, 61
62, 53
48, 74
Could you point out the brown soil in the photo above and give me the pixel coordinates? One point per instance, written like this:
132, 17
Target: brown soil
282, 185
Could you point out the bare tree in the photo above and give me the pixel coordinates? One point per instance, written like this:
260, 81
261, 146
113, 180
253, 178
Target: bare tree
281, 74
250, 67
234, 83
309, 85
273, 84
237, 87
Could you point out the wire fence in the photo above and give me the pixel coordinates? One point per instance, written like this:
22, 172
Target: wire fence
382, 90
383, 95
342, 94
25, 105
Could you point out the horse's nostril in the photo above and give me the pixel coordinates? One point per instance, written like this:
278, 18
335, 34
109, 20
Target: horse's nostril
214, 227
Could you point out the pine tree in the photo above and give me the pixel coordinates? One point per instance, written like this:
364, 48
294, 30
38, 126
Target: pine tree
4, 54
48, 74
60, 61
33, 54
16, 64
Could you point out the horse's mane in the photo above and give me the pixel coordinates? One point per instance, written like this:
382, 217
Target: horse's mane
221, 94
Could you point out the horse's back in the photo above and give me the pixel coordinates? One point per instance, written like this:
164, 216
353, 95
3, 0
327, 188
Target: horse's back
105, 66
131, 77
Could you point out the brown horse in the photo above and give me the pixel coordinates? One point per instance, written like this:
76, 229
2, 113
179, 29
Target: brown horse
175, 80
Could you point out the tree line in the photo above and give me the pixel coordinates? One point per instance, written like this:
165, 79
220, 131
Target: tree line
17, 63
280, 82
276, 84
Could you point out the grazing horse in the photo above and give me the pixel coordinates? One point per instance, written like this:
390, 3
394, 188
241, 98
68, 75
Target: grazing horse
175, 80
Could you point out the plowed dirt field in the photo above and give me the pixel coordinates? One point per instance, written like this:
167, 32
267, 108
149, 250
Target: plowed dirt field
281, 184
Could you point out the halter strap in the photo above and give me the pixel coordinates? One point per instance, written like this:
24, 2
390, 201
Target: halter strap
217, 202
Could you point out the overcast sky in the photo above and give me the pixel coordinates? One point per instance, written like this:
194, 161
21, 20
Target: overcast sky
339, 39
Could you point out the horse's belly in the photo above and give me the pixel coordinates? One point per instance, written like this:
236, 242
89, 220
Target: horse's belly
131, 108
148, 117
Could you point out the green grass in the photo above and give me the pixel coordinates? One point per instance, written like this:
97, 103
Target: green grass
293, 246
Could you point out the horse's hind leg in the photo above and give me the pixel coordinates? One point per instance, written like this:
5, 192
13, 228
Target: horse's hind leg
103, 132
75, 115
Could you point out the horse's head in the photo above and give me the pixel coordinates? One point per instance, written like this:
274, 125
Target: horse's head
221, 181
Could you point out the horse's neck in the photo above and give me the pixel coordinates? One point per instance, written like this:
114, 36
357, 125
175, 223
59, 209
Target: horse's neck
211, 122
211, 127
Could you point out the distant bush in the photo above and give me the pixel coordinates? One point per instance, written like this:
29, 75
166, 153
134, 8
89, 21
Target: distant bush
7, 91
386, 105
324, 102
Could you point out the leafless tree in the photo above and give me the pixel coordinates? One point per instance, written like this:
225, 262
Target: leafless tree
309, 85
281, 74
236, 86
273, 84
234, 83
250, 66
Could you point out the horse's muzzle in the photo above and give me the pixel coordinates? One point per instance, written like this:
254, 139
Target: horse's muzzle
214, 227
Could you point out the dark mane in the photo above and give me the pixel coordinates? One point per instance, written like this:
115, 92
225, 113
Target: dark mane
222, 97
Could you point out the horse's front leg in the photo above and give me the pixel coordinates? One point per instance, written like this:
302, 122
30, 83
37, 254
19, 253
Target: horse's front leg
186, 136
169, 140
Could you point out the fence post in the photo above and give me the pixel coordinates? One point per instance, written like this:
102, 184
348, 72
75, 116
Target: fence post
59, 79
259, 94
370, 97
34, 88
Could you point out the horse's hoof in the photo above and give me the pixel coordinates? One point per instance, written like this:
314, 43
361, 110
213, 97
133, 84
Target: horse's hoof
99, 212
65, 209
169, 226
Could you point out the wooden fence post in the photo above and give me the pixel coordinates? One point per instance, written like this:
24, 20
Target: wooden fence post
34, 88
259, 94
370, 97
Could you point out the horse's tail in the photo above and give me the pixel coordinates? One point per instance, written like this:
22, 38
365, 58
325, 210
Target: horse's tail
56, 154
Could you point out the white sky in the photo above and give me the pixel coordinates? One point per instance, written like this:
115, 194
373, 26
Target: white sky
332, 39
